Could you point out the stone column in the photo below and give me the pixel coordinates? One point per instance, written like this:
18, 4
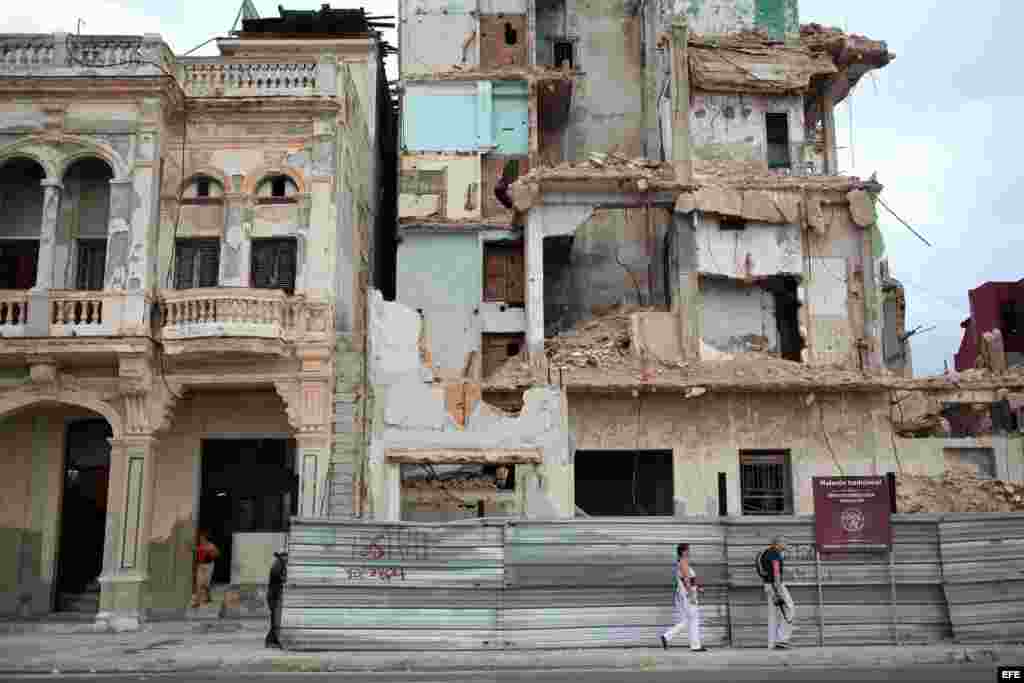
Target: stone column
48, 233
129, 517
235, 248
308, 400
535, 289
313, 463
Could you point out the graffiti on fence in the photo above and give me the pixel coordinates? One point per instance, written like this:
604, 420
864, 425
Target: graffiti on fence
382, 573
391, 544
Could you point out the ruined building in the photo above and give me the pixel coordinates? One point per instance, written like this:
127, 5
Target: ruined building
185, 248
631, 280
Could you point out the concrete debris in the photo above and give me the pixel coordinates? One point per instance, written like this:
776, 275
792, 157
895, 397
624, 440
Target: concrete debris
923, 426
957, 490
461, 72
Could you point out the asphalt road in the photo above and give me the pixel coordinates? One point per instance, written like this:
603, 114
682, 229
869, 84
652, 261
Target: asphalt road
952, 673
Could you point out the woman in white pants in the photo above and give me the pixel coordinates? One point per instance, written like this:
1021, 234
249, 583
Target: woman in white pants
685, 610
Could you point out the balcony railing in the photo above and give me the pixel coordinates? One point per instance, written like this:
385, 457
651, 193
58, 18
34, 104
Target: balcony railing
70, 55
241, 312
13, 313
213, 77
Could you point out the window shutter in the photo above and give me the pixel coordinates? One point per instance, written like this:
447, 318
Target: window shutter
209, 262
494, 275
184, 265
286, 258
91, 264
515, 278
262, 265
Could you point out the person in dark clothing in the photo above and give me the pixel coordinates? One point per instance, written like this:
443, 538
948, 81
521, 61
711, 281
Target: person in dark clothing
780, 603
275, 589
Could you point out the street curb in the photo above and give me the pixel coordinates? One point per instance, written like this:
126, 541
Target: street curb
592, 660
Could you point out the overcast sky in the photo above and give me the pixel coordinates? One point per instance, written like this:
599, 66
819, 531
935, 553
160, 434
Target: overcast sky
935, 125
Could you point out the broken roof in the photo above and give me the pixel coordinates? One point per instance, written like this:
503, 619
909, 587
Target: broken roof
751, 62
322, 23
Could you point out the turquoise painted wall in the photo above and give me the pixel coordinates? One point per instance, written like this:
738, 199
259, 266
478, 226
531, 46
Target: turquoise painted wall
495, 114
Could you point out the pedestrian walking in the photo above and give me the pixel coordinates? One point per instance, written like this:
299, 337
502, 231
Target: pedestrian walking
275, 591
206, 554
781, 610
685, 603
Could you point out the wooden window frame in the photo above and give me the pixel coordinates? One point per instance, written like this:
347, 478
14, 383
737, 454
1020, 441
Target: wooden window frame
85, 251
510, 295
268, 243
196, 266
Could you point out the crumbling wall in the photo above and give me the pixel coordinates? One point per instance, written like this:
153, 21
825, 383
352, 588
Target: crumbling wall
779, 18
436, 36
412, 411
737, 318
439, 187
733, 127
829, 434
617, 256
759, 250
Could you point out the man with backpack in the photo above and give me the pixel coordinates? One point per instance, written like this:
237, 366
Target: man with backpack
685, 612
275, 588
781, 609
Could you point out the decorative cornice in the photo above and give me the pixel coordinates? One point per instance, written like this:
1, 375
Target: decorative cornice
287, 106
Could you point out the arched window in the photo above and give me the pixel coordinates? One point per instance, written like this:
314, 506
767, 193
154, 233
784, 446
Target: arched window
21, 218
203, 190
276, 189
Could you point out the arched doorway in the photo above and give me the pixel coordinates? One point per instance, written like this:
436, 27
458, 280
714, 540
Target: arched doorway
86, 474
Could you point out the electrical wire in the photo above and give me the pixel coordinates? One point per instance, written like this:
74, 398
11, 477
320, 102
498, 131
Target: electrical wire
828, 441
906, 224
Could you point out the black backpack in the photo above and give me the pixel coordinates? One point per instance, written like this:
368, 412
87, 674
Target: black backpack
760, 568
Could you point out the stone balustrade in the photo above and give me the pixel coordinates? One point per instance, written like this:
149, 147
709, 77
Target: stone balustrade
241, 312
214, 77
93, 313
63, 54
13, 312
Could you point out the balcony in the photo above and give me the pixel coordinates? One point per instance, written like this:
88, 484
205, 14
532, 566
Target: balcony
63, 54
217, 77
67, 313
240, 320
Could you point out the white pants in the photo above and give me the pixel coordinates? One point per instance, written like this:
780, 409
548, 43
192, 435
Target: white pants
779, 630
686, 615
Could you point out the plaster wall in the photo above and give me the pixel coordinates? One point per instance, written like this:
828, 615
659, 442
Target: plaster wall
617, 256
707, 433
733, 127
432, 35
176, 494
738, 318
762, 249
442, 274
462, 181
410, 412
781, 18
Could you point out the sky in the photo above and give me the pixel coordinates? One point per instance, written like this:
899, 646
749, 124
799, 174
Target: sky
936, 125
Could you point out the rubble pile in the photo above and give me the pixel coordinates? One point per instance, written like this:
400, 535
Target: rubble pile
602, 342
957, 490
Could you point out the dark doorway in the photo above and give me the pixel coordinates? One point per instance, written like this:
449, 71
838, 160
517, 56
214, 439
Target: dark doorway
787, 315
777, 133
248, 485
614, 483
83, 515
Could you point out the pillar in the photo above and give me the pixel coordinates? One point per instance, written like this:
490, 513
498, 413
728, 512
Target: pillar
129, 519
535, 288
48, 234
680, 101
236, 246
313, 463
829, 123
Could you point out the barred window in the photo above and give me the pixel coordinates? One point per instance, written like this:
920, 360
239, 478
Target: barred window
765, 483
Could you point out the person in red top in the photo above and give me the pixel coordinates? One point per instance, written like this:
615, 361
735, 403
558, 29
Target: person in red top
206, 553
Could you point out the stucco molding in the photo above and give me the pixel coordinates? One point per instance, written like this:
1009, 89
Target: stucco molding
56, 151
55, 393
260, 173
307, 404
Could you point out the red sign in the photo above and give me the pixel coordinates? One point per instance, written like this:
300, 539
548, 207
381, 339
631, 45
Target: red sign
851, 514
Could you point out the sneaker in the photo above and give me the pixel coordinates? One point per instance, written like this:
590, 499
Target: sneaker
698, 649
781, 646
664, 642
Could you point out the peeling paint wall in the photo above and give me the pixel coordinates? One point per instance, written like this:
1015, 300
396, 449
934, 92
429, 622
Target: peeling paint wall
435, 36
762, 249
459, 178
707, 433
738, 318
733, 127
616, 257
780, 18
412, 411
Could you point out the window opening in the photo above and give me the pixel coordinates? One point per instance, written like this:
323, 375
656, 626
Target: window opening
505, 273
730, 223
511, 35
92, 256
777, 134
278, 186
624, 483
274, 264
203, 187
197, 263
765, 486
1010, 318
498, 348
18, 262
563, 53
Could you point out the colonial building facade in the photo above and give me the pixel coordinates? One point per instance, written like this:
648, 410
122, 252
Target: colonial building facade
183, 246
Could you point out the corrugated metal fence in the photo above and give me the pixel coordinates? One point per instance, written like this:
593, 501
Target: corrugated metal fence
488, 585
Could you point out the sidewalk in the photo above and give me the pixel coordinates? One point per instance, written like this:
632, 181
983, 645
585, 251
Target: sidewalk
238, 646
